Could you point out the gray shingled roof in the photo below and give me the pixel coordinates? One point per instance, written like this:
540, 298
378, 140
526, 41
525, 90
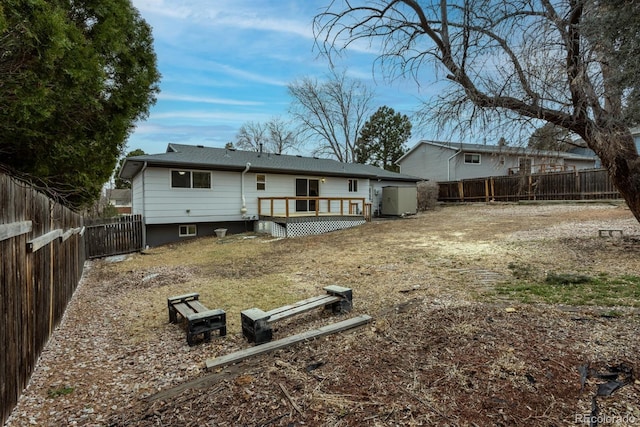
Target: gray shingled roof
199, 157
481, 148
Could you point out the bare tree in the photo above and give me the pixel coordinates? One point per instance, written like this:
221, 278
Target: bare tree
331, 113
252, 136
281, 136
275, 136
554, 61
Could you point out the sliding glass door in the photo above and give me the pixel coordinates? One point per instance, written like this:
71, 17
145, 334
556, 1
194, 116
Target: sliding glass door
307, 188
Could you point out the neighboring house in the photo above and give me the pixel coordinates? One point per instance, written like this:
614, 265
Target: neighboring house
442, 161
584, 150
194, 190
120, 199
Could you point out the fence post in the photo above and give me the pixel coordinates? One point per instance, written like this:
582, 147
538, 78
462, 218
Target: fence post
578, 190
461, 190
493, 189
486, 190
51, 261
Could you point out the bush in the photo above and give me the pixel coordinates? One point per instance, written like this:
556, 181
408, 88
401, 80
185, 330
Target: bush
427, 195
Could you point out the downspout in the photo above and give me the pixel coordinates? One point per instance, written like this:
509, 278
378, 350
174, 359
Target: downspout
144, 217
243, 210
449, 164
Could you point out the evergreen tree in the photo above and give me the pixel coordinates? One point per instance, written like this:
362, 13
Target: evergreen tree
550, 137
382, 138
75, 77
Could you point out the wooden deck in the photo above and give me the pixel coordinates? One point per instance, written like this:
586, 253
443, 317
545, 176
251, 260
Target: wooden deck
289, 207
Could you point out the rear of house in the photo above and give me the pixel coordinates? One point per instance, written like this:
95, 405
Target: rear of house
191, 191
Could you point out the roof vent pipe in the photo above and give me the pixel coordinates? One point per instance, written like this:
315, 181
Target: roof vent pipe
243, 210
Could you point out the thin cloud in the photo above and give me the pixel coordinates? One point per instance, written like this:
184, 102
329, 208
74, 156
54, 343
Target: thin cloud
195, 115
205, 100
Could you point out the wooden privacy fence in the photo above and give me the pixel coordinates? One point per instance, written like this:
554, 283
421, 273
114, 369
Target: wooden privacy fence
577, 185
113, 236
42, 254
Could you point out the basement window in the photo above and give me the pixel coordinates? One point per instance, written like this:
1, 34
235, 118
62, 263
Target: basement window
190, 179
472, 158
188, 230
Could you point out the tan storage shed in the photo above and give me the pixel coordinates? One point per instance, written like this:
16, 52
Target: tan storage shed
397, 201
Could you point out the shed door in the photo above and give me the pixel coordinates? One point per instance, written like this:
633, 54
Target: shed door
307, 188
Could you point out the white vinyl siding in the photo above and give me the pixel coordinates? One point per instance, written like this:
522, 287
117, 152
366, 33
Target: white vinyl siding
137, 194
222, 202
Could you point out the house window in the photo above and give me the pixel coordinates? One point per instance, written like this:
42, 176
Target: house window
353, 185
189, 179
180, 179
187, 230
261, 182
201, 179
472, 158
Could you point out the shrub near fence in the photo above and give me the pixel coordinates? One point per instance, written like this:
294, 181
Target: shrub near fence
42, 254
578, 185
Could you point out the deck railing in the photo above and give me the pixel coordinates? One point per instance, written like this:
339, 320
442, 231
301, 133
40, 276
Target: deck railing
313, 206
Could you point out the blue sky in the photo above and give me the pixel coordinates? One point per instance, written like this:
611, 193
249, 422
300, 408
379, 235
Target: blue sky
228, 62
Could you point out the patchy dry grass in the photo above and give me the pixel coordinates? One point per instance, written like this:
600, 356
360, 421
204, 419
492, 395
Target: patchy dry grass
571, 289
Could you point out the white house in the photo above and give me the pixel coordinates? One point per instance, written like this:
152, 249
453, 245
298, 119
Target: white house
444, 161
193, 190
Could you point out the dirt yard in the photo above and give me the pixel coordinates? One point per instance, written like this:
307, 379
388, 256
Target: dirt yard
444, 348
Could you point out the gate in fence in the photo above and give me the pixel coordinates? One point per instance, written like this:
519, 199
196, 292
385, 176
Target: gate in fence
113, 236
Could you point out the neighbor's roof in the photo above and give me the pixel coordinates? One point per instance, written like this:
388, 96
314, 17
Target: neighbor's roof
496, 149
200, 157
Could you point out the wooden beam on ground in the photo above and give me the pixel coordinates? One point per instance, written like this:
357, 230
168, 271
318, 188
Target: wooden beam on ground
203, 382
286, 342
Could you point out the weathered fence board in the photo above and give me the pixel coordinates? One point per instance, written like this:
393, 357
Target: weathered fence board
41, 241
8, 231
35, 285
114, 236
575, 185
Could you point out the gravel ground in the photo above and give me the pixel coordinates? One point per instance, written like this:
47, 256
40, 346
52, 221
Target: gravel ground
440, 351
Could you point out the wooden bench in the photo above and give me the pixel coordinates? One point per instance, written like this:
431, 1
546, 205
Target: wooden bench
609, 232
256, 323
200, 320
